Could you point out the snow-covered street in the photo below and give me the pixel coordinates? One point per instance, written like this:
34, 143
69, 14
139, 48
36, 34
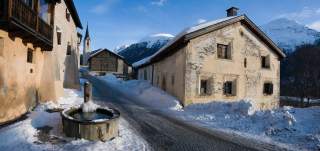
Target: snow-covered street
42, 130
287, 127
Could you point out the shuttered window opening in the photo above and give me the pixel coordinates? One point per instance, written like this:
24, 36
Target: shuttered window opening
30, 56
268, 88
265, 62
224, 51
229, 88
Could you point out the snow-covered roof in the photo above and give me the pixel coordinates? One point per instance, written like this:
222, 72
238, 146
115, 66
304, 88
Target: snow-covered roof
180, 35
93, 53
204, 25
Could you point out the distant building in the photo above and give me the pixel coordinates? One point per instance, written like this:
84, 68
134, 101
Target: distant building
38, 41
86, 47
104, 61
227, 59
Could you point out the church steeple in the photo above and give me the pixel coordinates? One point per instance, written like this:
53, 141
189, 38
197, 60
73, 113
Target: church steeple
86, 46
87, 32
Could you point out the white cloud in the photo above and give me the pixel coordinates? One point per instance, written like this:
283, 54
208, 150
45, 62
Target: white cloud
305, 13
158, 2
199, 21
315, 25
103, 7
99, 9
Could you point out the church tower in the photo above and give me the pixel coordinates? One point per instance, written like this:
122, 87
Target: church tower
86, 47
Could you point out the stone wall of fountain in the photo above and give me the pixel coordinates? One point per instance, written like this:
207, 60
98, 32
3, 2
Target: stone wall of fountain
90, 122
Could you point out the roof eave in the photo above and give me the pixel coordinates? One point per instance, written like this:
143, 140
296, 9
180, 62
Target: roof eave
74, 13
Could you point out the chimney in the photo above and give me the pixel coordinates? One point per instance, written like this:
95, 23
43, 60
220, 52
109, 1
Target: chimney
232, 11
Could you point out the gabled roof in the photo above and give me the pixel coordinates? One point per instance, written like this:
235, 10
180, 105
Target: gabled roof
204, 28
96, 52
74, 13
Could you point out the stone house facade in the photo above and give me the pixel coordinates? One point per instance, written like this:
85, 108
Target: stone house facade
30, 60
223, 60
104, 61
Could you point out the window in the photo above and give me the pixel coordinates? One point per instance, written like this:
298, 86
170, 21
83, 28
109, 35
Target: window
69, 49
164, 85
265, 62
30, 56
1, 46
224, 51
229, 88
245, 62
145, 74
68, 15
158, 79
204, 87
45, 10
268, 88
59, 38
172, 80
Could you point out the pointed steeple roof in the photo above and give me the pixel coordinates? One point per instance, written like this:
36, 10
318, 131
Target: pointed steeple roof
87, 32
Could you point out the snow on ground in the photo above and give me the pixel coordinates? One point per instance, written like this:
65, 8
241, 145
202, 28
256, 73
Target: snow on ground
297, 128
43, 131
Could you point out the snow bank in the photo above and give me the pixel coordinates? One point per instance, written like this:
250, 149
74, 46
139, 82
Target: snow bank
144, 92
26, 135
298, 128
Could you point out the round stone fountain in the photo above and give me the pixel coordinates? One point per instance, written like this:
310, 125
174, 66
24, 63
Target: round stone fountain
97, 124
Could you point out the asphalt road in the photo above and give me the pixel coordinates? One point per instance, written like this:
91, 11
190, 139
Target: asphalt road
160, 131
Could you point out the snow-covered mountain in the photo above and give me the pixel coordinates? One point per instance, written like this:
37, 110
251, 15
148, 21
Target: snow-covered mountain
120, 48
288, 33
144, 48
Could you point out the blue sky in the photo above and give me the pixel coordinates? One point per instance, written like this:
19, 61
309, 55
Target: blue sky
117, 22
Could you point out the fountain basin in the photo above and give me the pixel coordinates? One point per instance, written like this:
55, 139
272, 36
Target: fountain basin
99, 125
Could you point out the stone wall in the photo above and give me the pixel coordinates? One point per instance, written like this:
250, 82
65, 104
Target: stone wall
67, 65
202, 62
168, 74
19, 80
180, 74
23, 84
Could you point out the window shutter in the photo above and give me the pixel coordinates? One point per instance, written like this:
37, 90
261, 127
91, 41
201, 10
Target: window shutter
210, 86
219, 51
234, 88
228, 52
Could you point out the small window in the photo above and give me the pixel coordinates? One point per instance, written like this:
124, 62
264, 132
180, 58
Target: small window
68, 15
172, 80
245, 62
265, 62
59, 38
267, 88
1, 46
158, 80
204, 87
69, 49
30, 56
224, 51
229, 88
145, 75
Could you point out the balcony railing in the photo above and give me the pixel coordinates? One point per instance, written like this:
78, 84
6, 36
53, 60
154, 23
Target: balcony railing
23, 13
21, 17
